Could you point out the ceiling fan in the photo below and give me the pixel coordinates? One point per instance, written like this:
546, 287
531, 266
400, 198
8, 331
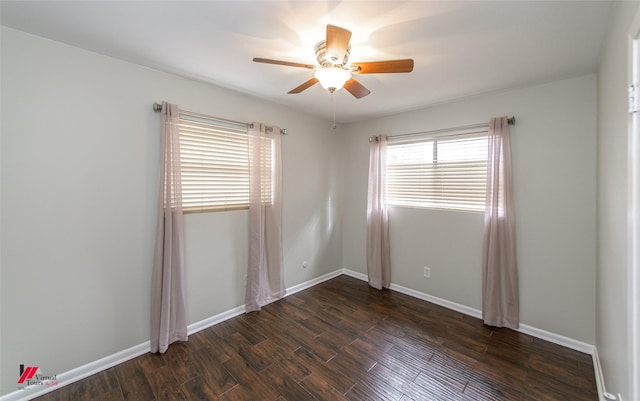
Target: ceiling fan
334, 70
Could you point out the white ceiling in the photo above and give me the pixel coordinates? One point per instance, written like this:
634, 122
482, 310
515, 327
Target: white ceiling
460, 48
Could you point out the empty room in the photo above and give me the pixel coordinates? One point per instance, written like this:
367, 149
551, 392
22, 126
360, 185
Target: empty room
319, 200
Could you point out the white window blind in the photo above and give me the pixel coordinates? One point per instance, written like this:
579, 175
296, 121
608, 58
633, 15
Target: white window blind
443, 172
215, 166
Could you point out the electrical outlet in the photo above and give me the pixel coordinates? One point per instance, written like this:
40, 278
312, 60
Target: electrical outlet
427, 272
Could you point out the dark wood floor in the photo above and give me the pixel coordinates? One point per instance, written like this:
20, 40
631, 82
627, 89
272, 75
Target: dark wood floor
342, 340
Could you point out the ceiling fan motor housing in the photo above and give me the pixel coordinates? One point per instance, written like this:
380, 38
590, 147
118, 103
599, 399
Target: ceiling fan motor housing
326, 59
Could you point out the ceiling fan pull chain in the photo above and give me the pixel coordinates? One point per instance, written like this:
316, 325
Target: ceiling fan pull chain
333, 101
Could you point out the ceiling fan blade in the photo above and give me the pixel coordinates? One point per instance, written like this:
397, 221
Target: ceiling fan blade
337, 43
380, 67
356, 88
304, 86
279, 62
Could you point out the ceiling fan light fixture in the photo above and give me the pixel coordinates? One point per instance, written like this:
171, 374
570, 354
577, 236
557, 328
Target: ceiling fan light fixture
332, 78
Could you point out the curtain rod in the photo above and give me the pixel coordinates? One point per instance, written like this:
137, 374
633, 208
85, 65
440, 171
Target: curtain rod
510, 121
158, 107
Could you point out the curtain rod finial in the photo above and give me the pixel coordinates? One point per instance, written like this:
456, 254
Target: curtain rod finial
157, 107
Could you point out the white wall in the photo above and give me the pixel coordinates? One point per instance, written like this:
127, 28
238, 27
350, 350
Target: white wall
79, 158
554, 162
612, 291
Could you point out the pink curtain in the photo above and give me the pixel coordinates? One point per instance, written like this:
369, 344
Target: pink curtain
265, 270
500, 292
378, 254
168, 310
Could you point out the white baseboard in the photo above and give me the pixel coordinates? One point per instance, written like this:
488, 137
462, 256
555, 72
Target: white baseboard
312, 282
557, 339
355, 274
107, 362
599, 375
438, 301
213, 320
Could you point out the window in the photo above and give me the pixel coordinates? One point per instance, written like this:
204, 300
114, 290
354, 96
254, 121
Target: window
214, 161
443, 172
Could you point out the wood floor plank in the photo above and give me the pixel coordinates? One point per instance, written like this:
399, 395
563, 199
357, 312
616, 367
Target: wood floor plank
164, 385
286, 385
501, 371
357, 357
489, 390
103, 383
342, 340
409, 358
320, 389
390, 377
454, 379
214, 372
180, 360
398, 367
292, 365
563, 369
335, 338
113, 395
544, 388
242, 393
249, 379
198, 389
257, 360
133, 383
253, 336
217, 347
424, 388
305, 337
288, 310
369, 388
150, 362
318, 367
